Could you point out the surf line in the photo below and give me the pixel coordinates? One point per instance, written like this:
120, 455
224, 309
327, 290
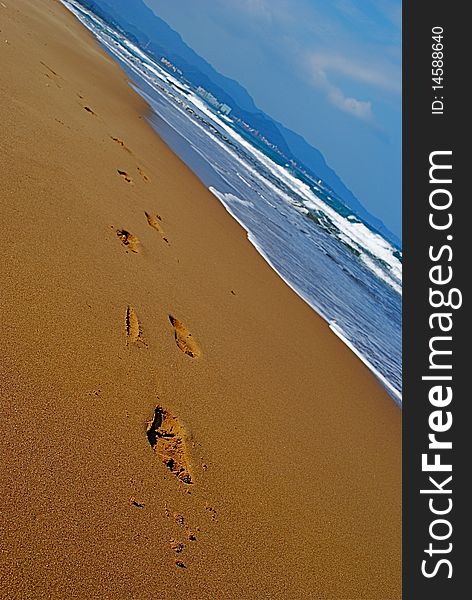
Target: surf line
443, 299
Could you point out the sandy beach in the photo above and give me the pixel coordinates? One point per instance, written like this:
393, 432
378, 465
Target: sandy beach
176, 422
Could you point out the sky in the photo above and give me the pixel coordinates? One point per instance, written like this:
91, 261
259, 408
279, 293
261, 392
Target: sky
328, 69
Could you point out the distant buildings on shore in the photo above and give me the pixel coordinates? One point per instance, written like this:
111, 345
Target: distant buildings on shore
213, 101
202, 92
170, 66
226, 110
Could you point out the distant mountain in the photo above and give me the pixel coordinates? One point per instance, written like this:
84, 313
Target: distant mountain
138, 22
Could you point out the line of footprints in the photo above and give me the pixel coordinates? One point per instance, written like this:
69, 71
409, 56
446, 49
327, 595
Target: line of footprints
165, 434
131, 242
168, 438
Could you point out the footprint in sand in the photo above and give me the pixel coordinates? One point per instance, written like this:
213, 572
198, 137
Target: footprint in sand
211, 510
134, 333
125, 176
128, 240
179, 519
89, 110
176, 546
136, 503
184, 339
121, 143
143, 174
167, 437
154, 222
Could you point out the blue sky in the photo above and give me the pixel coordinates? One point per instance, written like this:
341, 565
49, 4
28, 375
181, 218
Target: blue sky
328, 69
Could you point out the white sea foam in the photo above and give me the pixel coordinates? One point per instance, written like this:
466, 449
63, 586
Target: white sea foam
357, 234
234, 199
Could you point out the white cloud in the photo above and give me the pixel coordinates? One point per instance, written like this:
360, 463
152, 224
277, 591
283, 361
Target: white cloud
360, 109
369, 71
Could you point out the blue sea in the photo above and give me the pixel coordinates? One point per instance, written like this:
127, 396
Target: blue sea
346, 271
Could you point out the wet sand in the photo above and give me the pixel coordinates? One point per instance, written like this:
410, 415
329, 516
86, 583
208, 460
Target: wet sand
176, 422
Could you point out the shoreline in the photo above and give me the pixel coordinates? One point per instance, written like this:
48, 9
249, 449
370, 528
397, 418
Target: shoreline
128, 288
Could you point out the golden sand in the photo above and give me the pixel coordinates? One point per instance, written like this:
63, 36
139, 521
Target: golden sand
176, 422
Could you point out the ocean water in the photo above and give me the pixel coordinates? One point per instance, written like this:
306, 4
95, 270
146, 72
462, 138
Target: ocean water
346, 271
